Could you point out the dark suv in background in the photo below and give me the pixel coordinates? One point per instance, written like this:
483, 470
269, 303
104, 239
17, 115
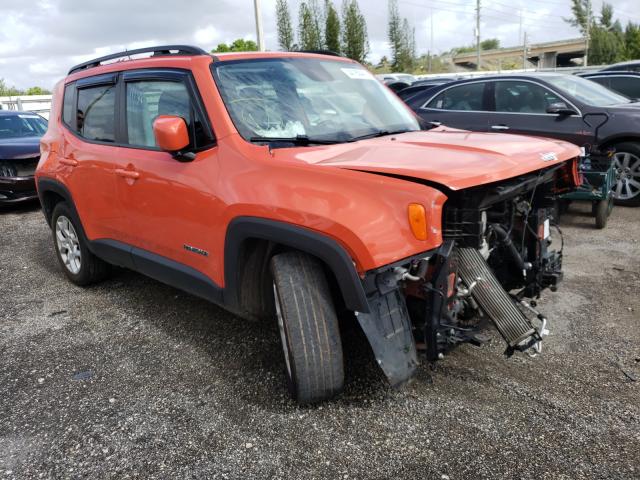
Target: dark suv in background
625, 83
20, 134
560, 106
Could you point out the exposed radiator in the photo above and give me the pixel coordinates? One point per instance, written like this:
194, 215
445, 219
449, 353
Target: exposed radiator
512, 324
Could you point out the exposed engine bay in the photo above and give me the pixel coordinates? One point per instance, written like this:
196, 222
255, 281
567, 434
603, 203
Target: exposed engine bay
501, 248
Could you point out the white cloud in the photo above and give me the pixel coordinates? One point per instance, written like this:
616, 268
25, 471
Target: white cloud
38, 43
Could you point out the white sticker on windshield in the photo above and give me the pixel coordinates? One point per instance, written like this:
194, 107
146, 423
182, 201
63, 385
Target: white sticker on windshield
357, 74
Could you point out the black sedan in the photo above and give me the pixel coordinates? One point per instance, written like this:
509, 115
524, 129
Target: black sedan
629, 66
20, 134
553, 105
625, 83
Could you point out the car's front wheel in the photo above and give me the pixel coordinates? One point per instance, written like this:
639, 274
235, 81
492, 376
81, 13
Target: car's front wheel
80, 265
308, 326
626, 161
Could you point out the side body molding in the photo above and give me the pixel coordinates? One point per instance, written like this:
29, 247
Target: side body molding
321, 246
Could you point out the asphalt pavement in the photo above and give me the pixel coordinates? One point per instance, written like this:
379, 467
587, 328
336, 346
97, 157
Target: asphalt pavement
134, 379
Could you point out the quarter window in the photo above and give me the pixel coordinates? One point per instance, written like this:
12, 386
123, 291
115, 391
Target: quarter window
146, 100
466, 97
523, 97
67, 104
96, 113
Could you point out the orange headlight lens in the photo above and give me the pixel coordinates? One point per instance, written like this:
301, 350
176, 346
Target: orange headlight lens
418, 220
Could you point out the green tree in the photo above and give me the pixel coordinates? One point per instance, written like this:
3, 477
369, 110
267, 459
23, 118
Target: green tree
607, 41
606, 16
238, 45
490, 44
394, 32
355, 43
401, 40
285, 30
7, 91
309, 34
605, 46
331, 28
632, 41
582, 12
37, 91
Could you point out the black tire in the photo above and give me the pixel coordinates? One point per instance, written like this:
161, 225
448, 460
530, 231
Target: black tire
634, 149
91, 268
308, 326
602, 210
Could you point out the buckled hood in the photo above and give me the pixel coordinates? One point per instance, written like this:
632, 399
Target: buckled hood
454, 158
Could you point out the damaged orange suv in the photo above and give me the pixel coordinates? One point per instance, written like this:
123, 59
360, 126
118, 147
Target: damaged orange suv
294, 186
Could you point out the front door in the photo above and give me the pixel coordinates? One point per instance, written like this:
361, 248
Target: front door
171, 206
521, 107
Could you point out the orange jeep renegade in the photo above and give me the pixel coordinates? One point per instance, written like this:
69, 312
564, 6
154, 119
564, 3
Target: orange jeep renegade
293, 186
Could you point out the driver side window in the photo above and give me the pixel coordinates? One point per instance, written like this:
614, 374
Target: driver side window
147, 99
523, 97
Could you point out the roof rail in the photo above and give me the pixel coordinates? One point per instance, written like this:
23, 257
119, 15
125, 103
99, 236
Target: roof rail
157, 51
320, 52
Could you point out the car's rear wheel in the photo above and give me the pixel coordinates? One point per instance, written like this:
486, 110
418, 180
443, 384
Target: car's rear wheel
626, 161
308, 326
80, 265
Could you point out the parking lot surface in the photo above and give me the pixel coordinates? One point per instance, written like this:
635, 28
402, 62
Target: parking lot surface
131, 378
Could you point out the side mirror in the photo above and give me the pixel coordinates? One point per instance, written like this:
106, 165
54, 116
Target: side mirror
560, 108
172, 136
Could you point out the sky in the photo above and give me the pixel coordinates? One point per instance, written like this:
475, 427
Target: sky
41, 39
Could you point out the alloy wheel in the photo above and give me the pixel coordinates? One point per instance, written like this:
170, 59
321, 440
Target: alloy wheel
627, 167
68, 245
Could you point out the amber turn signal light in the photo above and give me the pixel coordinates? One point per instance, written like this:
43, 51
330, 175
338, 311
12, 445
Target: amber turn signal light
418, 221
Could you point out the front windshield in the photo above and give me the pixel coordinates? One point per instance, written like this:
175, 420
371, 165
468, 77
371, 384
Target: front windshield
587, 91
22, 125
327, 100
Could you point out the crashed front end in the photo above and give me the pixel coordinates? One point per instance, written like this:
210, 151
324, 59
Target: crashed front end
501, 248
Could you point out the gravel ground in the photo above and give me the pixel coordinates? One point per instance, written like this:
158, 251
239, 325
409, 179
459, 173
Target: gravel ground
132, 378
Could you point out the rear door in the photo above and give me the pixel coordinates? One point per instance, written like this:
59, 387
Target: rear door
460, 106
89, 154
520, 106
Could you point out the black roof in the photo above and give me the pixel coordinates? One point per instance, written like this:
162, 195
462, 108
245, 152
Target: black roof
156, 51
609, 73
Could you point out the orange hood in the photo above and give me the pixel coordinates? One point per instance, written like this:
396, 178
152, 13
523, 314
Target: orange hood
456, 159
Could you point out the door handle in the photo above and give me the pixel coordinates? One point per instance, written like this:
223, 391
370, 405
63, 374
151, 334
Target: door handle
70, 162
127, 173
436, 123
499, 127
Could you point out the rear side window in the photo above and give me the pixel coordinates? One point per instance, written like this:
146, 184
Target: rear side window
604, 81
466, 97
67, 105
523, 97
147, 99
629, 86
96, 113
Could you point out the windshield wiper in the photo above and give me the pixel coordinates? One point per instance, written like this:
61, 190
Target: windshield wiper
381, 133
297, 140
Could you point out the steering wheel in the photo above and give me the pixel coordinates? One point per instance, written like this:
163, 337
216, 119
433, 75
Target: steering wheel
256, 113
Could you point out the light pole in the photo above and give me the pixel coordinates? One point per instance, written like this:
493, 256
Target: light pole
478, 33
259, 34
